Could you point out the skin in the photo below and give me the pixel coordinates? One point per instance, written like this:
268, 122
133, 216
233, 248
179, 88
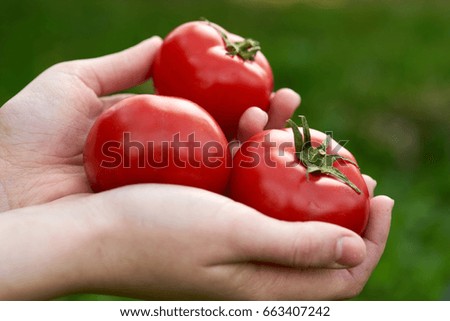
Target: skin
57, 238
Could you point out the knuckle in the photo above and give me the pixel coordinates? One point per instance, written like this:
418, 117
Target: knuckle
61, 67
350, 287
257, 283
304, 251
67, 67
353, 291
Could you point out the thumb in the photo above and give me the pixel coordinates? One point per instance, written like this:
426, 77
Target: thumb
299, 244
117, 71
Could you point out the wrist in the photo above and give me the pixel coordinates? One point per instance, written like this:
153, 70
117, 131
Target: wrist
132, 255
52, 249
110, 263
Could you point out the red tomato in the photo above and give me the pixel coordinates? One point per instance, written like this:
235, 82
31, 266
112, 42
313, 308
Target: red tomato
220, 71
156, 139
268, 175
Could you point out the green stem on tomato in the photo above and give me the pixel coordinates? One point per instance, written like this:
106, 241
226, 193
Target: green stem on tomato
245, 49
316, 159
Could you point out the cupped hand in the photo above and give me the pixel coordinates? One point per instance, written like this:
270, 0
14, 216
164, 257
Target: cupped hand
208, 247
43, 128
136, 241
201, 246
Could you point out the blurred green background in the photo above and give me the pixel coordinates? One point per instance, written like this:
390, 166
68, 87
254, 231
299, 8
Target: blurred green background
374, 72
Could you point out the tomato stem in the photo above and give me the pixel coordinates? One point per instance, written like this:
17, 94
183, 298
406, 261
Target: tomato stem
316, 159
245, 49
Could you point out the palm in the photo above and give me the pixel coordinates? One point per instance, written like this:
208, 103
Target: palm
46, 139
43, 128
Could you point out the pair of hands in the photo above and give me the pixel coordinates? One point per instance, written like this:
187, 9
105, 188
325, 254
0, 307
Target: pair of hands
151, 241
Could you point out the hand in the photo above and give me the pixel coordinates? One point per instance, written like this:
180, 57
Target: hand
283, 103
44, 127
128, 249
136, 241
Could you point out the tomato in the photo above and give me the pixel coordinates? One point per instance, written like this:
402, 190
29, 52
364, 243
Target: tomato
220, 71
302, 179
156, 139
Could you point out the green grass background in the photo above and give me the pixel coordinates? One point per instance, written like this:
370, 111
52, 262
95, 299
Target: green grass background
374, 72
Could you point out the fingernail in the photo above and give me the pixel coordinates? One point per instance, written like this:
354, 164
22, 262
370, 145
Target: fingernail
370, 182
372, 187
155, 38
296, 97
391, 203
350, 251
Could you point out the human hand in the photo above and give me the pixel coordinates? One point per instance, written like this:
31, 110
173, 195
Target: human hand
136, 241
283, 103
43, 128
208, 247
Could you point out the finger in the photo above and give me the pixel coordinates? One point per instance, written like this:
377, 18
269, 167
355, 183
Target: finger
252, 121
284, 283
269, 282
118, 71
379, 220
282, 107
109, 101
299, 244
371, 184
375, 236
